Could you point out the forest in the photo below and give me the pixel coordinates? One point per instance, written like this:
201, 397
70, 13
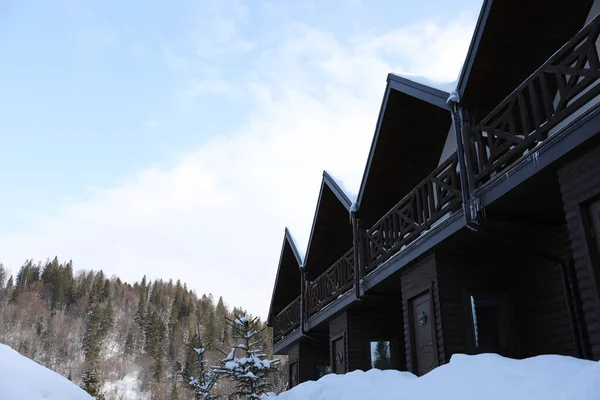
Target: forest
121, 340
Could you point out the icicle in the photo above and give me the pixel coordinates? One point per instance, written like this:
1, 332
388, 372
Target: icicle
536, 158
474, 206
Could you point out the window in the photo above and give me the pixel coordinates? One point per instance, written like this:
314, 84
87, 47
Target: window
489, 317
294, 378
381, 355
321, 370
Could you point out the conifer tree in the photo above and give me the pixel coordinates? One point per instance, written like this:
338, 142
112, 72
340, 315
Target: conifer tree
8, 289
129, 344
2, 276
140, 315
174, 392
203, 379
251, 370
91, 383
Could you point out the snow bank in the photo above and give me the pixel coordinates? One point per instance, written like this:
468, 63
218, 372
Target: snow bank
22, 378
485, 376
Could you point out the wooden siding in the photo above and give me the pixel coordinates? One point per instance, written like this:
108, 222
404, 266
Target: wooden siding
538, 314
374, 324
580, 182
541, 304
308, 353
361, 326
416, 280
456, 275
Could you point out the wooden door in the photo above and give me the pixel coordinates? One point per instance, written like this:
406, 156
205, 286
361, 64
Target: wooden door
339, 356
422, 327
594, 214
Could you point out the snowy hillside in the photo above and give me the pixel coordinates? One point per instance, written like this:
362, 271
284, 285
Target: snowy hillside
486, 376
21, 378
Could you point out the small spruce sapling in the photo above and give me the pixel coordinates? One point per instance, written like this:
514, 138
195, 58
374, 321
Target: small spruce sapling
250, 371
203, 381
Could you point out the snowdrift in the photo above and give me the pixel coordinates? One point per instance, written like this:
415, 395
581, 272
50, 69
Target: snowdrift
484, 376
22, 378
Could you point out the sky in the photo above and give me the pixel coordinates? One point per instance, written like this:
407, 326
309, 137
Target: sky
177, 139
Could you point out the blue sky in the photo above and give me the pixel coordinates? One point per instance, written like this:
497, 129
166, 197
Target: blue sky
179, 138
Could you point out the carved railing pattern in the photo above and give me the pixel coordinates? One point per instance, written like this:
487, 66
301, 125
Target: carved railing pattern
287, 320
434, 198
562, 86
328, 286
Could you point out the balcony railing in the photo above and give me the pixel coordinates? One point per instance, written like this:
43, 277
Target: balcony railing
542, 105
287, 320
336, 280
429, 202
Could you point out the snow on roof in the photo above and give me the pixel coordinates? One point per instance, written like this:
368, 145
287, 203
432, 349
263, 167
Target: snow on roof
22, 378
447, 87
345, 186
484, 376
300, 249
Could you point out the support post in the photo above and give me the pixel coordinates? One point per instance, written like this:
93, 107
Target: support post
302, 299
356, 239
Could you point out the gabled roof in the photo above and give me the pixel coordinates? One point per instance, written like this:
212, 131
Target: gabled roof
411, 130
287, 280
511, 40
331, 232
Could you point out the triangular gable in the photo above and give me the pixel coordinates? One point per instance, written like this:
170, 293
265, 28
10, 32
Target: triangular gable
410, 134
331, 232
510, 42
287, 280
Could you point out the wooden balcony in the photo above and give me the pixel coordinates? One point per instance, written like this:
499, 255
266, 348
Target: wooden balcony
427, 204
335, 281
556, 95
287, 320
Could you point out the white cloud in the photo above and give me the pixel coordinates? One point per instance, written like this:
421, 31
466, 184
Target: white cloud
216, 218
216, 28
152, 123
202, 87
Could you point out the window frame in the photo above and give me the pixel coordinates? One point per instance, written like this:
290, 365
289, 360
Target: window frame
392, 346
504, 297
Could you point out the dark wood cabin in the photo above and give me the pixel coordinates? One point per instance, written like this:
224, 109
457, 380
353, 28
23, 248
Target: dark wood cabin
477, 224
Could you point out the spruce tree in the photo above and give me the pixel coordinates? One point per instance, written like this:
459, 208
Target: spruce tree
8, 291
91, 382
251, 370
129, 344
2, 277
174, 392
203, 379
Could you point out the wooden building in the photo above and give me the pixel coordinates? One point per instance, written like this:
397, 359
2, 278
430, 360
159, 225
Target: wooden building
477, 224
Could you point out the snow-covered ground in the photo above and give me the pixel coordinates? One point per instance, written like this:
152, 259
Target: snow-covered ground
126, 388
486, 376
22, 378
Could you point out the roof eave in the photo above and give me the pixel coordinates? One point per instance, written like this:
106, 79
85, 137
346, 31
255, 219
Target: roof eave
337, 191
287, 238
417, 90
